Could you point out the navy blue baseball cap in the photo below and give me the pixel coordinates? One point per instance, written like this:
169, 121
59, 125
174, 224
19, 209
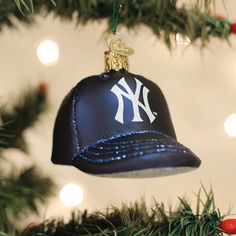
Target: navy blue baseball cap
118, 124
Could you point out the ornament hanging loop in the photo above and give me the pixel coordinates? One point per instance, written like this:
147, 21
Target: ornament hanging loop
116, 14
116, 58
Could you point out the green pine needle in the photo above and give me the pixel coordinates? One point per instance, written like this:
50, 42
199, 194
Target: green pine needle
25, 113
21, 193
165, 18
22, 4
137, 219
2, 135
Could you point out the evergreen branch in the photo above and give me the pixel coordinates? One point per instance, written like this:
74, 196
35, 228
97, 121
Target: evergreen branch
164, 17
136, 219
4, 234
2, 135
21, 3
20, 194
22, 115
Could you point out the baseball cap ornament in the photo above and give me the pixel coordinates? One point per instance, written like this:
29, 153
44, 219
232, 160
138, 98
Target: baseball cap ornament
117, 124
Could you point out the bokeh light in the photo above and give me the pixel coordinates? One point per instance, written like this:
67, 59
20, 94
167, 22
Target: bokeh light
182, 40
48, 52
71, 195
230, 125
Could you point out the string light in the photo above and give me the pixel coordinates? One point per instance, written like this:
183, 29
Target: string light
230, 125
71, 195
48, 52
182, 40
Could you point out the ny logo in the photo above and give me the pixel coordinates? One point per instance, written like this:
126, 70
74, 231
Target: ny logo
134, 98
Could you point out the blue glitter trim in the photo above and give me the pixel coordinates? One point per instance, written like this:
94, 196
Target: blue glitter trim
110, 147
104, 77
134, 142
136, 154
116, 136
118, 151
138, 151
75, 130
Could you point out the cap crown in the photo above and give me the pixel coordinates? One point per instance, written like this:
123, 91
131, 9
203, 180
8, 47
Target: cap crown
106, 106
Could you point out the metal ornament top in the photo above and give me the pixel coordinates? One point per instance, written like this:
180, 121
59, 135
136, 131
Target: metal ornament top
117, 57
119, 46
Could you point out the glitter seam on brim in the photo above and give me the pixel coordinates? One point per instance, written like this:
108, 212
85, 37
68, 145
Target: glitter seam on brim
84, 153
136, 154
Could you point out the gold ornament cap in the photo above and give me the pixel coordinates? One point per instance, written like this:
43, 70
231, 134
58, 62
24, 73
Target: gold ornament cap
117, 57
114, 61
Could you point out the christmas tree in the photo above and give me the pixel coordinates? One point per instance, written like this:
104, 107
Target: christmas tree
165, 18
137, 219
21, 190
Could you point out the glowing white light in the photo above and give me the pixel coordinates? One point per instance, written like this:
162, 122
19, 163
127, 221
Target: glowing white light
182, 40
71, 195
48, 52
230, 125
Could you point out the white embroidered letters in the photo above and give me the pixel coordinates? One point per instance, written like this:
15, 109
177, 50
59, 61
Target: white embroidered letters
134, 98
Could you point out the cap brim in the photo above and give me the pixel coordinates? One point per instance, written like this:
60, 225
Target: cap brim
140, 155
